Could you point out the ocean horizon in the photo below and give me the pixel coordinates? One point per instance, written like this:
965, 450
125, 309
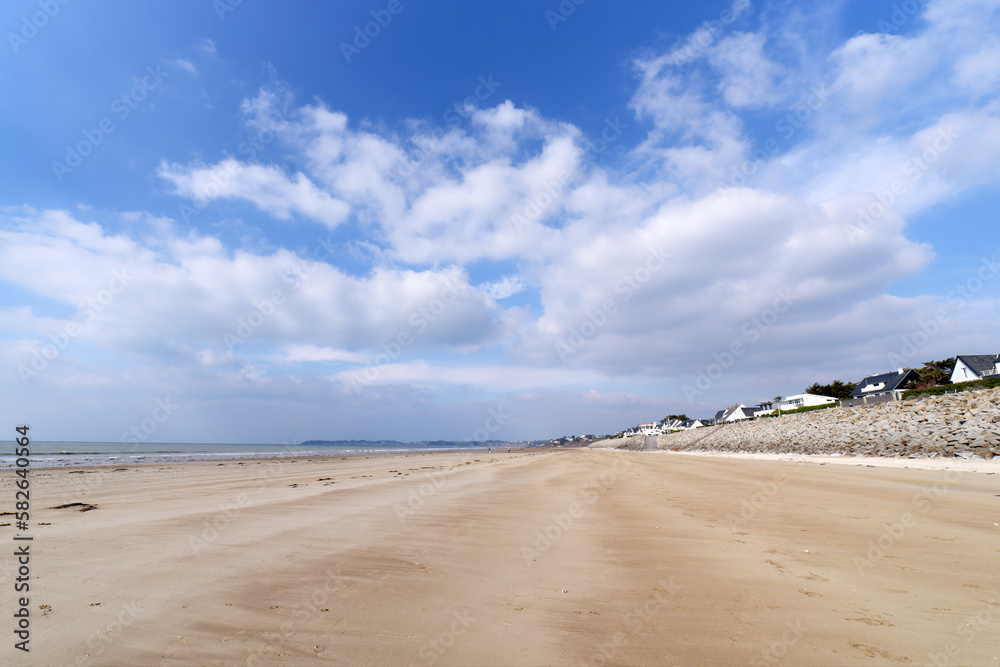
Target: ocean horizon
65, 454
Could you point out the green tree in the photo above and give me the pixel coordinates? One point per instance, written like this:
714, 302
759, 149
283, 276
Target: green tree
677, 417
936, 372
835, 389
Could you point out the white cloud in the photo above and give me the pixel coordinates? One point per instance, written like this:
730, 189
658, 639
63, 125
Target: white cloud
692, 141
504, 288
185, 65
310, 353
699, 41
194, 291
749, 78
211, 357
980, 71
875, 69
266, 187
493, 378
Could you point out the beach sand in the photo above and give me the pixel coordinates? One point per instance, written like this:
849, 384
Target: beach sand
585, 557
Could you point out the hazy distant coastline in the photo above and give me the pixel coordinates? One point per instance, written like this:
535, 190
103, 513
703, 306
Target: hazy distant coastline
423, 443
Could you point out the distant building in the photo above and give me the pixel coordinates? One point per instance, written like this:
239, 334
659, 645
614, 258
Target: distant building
885, 383
969, 367
795, 402
680, 425
648, 429
737, 412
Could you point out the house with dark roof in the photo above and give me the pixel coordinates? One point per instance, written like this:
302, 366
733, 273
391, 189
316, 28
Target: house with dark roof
885, 383
680, 425
969, 367
736, 413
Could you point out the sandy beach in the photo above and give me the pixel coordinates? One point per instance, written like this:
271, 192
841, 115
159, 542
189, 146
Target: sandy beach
584, 557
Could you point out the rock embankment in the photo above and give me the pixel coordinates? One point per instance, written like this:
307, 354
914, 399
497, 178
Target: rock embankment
632, 443
966, 424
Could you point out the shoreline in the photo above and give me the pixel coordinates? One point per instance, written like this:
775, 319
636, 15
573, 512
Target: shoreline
64, 460
921, 463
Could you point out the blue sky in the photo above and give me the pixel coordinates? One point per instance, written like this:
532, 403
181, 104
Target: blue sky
513, 220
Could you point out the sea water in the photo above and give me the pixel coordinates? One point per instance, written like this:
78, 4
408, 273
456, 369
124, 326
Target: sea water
61, 454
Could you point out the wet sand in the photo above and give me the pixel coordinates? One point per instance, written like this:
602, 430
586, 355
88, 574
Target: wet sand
584, 557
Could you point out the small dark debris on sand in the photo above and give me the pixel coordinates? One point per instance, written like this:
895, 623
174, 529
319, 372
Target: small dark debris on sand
84, 507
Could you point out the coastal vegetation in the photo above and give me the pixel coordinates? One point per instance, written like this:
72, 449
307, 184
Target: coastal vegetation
835, 389
989, 383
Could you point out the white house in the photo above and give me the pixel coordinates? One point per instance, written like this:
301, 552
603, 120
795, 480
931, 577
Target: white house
805, 401
801, 401
969, 367
738, 412
648, 429
678, 425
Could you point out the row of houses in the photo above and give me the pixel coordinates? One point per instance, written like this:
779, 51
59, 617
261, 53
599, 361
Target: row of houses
968, 368
880, 387
740, 411
874, 388
665, 426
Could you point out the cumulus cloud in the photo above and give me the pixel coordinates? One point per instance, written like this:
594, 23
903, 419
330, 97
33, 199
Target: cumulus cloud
195, 292
266, 187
